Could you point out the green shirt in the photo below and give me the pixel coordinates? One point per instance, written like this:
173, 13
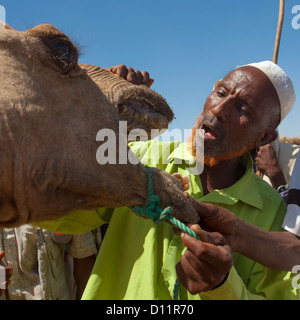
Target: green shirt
137, 258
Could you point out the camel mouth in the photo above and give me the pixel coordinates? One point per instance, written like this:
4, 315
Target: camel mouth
141, 114
142, 108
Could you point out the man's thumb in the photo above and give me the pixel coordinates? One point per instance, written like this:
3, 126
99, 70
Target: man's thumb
203, 209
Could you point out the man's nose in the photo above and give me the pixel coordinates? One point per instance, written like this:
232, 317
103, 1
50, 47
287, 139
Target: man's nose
223, 109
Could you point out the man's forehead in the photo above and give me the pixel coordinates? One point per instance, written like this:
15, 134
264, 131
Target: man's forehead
251, 85
252, 80
246, 73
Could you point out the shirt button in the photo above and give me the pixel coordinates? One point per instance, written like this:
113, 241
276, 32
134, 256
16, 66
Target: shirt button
166, 283
8, 251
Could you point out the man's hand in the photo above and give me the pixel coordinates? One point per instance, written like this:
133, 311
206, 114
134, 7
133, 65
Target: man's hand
184, 180
267, 162
266, 158
205, 264
131, 75
8, 274
214, 218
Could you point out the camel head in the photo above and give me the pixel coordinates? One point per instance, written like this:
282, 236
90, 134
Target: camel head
51, 108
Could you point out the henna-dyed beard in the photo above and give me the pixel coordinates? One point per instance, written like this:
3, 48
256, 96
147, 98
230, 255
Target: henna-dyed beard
213, 160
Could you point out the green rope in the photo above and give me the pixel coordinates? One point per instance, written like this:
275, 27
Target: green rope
152, 210
176, 290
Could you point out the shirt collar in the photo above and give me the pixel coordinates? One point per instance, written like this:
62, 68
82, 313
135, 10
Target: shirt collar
182, 152
245, 189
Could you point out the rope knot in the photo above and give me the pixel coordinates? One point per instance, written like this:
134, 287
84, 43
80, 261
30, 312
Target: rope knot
153, 202
164, 214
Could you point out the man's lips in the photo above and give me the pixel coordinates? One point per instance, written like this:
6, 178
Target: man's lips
208, 131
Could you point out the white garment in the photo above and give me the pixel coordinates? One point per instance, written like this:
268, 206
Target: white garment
286, 154
292, 219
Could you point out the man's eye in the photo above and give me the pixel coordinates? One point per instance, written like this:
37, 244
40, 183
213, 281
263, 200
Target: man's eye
220, 94
243, 109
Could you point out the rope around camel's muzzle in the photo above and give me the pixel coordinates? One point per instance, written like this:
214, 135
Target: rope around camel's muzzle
152, 210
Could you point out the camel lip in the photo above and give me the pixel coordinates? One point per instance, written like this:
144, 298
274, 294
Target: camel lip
143, 112
137, 104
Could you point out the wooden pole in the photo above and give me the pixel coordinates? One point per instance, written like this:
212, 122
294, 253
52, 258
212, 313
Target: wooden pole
276, 50
279, 29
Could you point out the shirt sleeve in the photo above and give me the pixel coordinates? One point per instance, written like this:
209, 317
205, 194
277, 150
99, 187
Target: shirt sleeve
232, 289
267, 284
78, 222
82, 246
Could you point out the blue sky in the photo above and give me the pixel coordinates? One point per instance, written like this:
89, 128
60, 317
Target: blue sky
185, 45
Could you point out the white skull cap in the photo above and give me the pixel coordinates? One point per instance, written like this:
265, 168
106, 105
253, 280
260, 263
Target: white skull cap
281, 82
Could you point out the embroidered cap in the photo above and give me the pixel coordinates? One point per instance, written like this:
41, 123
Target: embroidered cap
282, 84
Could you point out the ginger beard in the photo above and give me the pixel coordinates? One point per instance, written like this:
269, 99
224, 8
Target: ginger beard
214, 157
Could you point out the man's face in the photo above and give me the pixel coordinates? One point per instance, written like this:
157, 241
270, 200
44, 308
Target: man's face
236, 114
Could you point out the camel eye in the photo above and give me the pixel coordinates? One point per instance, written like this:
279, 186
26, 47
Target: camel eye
63, 53
62, 50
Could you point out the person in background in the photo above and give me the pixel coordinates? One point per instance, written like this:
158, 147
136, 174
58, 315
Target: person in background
83, 250
46, 265
274, 163
5, 275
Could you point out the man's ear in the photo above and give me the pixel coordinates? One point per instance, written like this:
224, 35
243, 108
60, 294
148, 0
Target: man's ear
268, 137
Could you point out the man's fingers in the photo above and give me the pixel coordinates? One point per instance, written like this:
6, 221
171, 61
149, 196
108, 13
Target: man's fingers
134, 76
204, 270
150, 82
131, 76
199, 231
178, 176
120, 70
215, 252
146, 79
184, 180
215, 238
193, 276
139, 77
